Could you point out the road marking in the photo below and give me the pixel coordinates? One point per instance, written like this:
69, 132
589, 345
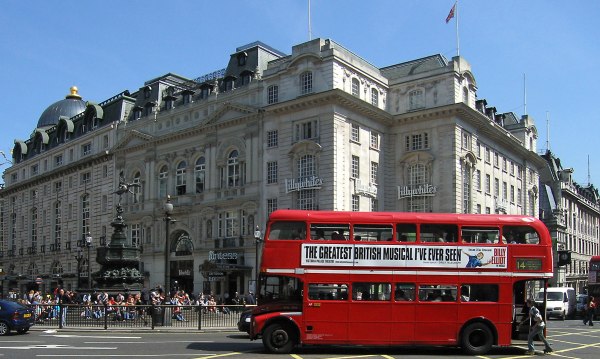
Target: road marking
87, 336
56, 346
355, 356
112, 355
208, 356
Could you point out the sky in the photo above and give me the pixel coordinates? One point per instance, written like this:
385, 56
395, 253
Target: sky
535, 57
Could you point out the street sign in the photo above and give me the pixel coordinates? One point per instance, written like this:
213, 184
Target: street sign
39, 280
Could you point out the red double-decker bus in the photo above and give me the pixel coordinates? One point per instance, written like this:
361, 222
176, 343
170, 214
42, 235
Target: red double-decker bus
593, 287
397, 278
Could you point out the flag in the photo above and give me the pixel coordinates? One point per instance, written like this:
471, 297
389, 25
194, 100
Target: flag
451, 13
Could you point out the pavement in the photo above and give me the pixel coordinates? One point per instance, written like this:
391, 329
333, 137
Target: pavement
165, 329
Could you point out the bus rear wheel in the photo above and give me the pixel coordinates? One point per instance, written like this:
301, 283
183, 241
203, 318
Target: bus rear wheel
477, 339
278, 338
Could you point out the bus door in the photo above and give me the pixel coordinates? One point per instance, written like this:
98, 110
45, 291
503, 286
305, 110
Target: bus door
403, 313
370, 319
326, 313
437, 318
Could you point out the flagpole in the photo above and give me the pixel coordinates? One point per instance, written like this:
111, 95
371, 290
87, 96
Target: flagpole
457, 38
309, 25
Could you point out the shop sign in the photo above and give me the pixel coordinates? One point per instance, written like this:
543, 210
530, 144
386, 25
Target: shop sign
185, 272
368, 189
216, 274
292, 185
218, 256
424, 190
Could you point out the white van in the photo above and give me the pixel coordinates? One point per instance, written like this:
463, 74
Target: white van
561, 302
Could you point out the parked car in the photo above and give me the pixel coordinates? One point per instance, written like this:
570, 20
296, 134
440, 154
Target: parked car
244, 322
581, 302
14, 316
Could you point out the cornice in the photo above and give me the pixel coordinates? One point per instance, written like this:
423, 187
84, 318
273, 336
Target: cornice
58, 173
480, 122
209, 126
330, 97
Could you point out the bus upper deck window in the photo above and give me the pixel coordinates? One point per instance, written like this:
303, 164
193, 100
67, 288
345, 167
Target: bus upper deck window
329, 231
373, 232
439, 233
480, 235
520, 235
287, 230
406, 232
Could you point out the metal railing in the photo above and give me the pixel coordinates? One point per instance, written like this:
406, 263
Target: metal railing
137, 316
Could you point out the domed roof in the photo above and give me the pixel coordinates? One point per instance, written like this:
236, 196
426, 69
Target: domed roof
72, 105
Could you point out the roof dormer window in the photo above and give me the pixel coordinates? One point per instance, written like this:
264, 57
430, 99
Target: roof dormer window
246, 78
187, 96
170, 102
229, 83
241, 58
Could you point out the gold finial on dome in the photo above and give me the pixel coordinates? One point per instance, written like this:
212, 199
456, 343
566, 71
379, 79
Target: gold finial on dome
74, 93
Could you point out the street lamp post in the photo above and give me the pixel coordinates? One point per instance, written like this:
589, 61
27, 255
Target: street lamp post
257, 238
168, 207
88, 244
79, 257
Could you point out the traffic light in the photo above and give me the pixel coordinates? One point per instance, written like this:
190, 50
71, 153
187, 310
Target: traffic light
564, 258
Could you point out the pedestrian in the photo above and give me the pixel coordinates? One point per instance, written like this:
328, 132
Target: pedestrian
590, 309
63, 299
536, 328
251, 299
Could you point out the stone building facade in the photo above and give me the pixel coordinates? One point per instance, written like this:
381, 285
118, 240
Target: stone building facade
571, 212
58, 191
320, 128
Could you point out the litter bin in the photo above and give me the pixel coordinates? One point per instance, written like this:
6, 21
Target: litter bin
158, 316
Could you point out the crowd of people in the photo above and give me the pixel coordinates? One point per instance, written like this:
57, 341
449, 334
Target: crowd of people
129, 306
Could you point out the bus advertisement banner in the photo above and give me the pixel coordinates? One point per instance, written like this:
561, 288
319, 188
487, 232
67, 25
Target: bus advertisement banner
365, 255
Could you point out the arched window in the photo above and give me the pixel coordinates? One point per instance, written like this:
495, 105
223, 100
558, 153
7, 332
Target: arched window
273, 94
137, 190
57, 268
184, 246
416, 100
34, 224
57, 222
418, 176
466, 96
306, 167
199, 174
209, 229
374, 97
180, 178
306, 82
306, 198
355, 87
233, 169
466, 188
32, 270
85, 214
162, 181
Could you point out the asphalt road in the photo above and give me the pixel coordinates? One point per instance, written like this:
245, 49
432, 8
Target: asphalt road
570, 339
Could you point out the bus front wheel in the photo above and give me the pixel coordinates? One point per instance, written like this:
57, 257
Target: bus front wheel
477, 339
279, 338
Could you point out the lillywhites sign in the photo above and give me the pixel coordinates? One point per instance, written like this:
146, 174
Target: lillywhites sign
313, 182
214, 256
425, 190
368, 189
